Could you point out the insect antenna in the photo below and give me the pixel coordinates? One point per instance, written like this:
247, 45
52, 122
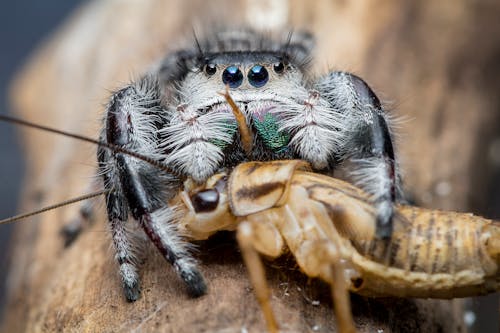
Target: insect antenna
113, 147
245, 133
58, 205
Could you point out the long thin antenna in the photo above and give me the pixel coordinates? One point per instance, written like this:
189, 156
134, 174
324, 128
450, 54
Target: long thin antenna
110, 146
61, 204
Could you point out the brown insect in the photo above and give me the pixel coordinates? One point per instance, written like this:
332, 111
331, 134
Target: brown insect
329, 227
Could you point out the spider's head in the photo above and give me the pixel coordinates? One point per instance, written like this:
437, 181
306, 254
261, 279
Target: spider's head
266, 80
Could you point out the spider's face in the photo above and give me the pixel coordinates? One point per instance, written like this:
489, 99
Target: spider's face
267, 83
263, 85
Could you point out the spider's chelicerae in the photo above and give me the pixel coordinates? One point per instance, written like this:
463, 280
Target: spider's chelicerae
176, 115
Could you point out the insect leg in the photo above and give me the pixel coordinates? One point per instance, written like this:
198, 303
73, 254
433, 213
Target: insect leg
367, 142
331, 268
312, 238
340, 296
245, 237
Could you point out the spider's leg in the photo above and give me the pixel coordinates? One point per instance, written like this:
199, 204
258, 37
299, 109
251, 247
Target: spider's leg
366, 143
159, 226
117, 211
132, 122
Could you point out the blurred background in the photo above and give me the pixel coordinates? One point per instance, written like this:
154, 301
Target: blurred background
24, 24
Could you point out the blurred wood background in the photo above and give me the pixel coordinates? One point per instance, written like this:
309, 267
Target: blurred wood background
434, 63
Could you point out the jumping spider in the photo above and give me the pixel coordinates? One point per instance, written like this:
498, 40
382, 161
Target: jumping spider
175, 114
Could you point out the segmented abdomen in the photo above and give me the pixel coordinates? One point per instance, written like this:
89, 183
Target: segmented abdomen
431, 253
432, 241
437, 253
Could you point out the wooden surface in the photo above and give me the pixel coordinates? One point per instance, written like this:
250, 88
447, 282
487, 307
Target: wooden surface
435, 62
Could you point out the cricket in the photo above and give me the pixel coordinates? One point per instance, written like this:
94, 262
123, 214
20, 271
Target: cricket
329, 227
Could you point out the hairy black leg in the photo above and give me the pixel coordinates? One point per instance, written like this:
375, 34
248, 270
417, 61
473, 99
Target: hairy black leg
374, 159
132, 122
117, 212
161, 233
124, 248
366, 143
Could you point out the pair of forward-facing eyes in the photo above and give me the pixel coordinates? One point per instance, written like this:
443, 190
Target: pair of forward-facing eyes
232, 75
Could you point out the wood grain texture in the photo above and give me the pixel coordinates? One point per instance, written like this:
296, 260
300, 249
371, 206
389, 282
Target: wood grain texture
435, 61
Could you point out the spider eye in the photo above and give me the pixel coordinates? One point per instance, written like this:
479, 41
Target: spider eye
279, 67
232, 76
258, 76
210, 69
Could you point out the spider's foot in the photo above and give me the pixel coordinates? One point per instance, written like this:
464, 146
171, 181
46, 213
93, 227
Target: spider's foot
132, 292
195, 282
385, 211
130, 279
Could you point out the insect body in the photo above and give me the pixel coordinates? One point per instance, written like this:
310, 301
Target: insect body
176, 116
330, 228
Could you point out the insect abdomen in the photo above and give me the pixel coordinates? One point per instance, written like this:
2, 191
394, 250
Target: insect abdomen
446, 242
433, 254
430, 253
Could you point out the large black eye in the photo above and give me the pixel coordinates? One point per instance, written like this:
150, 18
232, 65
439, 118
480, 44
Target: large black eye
232, 76
205, 200
279, 67
210, 69
258, 76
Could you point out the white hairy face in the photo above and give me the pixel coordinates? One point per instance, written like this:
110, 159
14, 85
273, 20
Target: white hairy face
274, 96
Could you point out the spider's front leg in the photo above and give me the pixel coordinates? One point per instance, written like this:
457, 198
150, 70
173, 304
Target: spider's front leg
132, 121
365, 142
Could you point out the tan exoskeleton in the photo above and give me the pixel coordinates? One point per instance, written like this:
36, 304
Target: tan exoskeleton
329, 227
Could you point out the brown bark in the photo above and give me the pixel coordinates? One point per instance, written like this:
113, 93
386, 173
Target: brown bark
437, 61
